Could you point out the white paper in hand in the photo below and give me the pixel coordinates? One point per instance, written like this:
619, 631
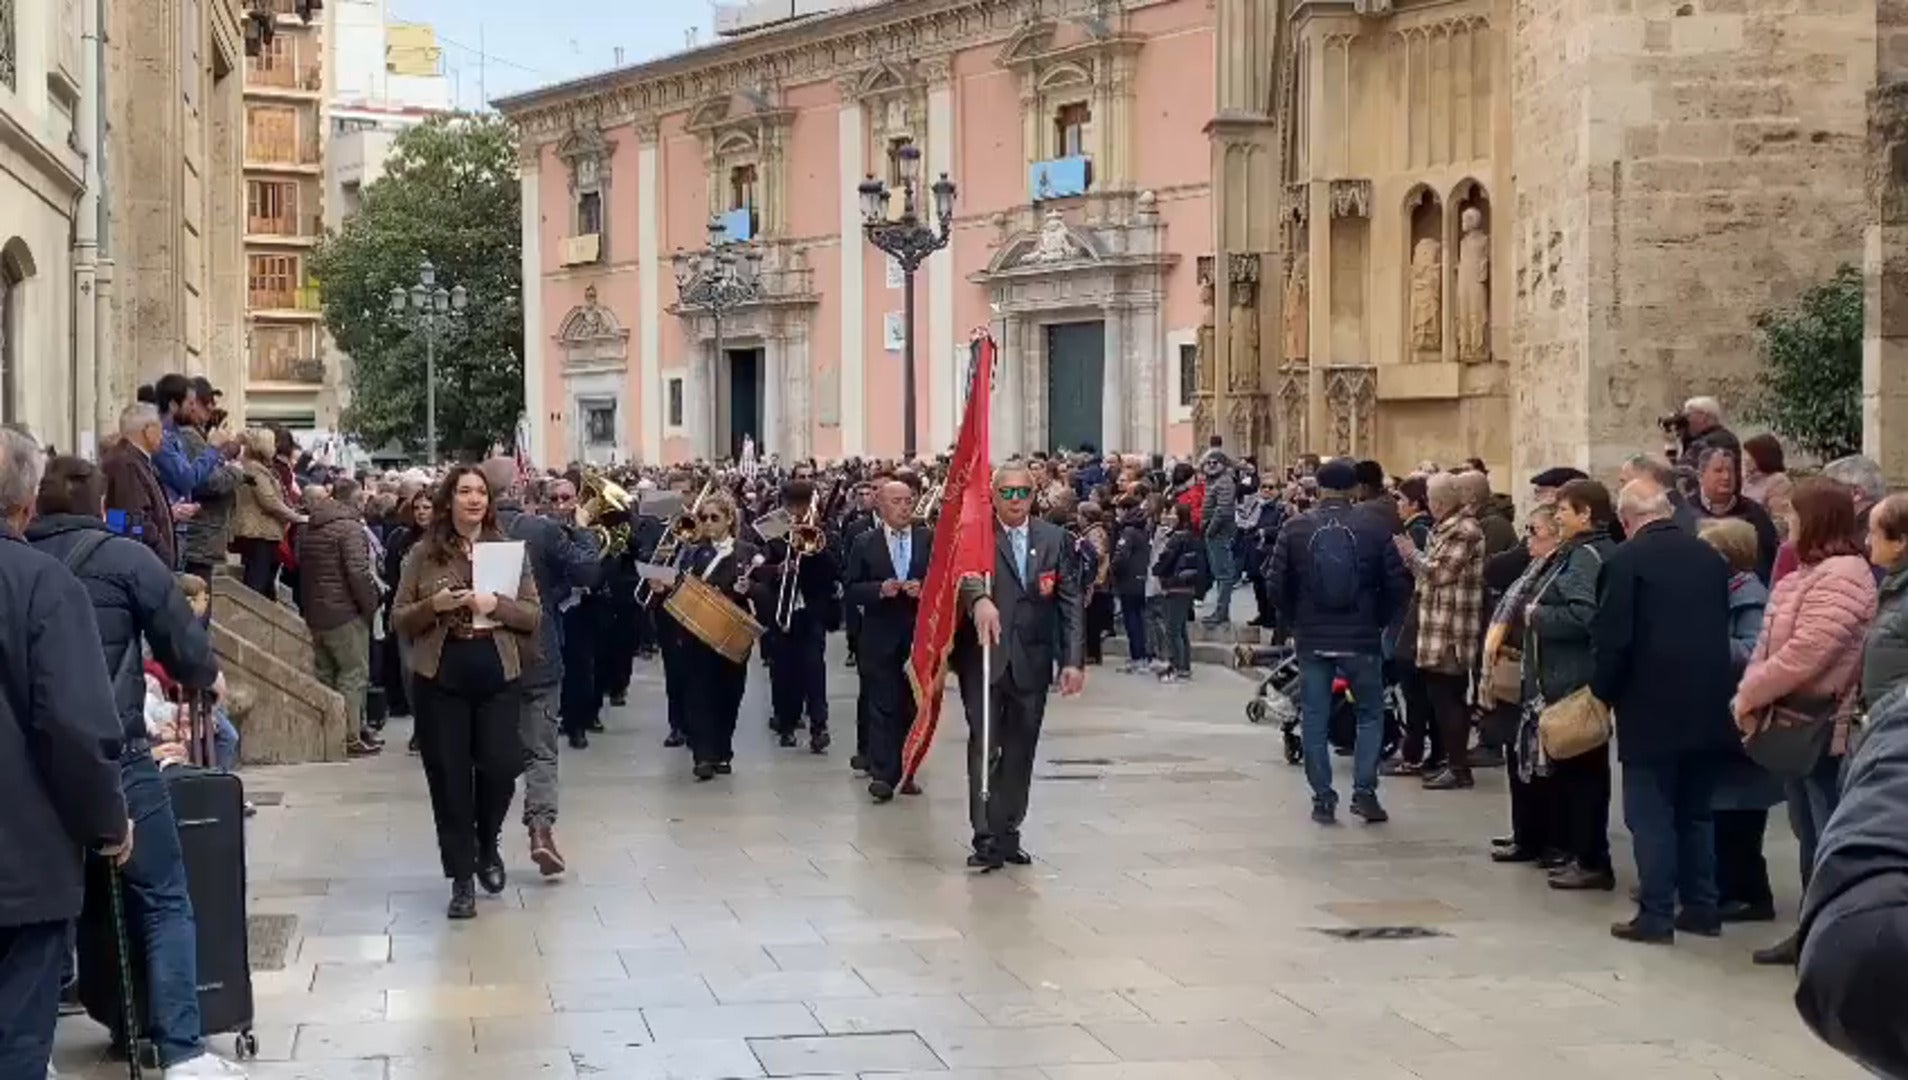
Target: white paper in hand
496, 566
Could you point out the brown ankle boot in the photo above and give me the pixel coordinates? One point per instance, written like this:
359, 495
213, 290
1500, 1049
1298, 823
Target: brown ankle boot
543, 851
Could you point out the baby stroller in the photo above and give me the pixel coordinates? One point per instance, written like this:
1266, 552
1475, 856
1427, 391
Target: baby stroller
1277, 701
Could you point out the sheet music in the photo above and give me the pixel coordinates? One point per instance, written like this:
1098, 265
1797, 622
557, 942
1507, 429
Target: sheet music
496, 566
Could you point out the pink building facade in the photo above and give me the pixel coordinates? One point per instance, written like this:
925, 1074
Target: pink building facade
1076, 133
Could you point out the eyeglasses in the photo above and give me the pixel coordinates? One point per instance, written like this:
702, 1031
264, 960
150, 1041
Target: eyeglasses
711, 517
562, 499
1021, 492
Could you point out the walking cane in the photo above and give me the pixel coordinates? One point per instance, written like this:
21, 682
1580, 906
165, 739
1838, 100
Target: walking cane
129, 1009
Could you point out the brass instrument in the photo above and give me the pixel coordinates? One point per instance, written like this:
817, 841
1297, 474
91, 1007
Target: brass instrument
682, 530
601, 498
930, 504
804, 538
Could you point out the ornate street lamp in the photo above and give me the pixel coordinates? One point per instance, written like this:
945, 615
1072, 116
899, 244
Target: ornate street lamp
429, 308
717, 279
909, 240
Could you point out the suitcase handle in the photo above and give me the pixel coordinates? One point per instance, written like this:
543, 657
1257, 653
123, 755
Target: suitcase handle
121, 942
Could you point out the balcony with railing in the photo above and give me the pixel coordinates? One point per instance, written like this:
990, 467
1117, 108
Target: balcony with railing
270, 149
279, 368
287, 228
282, 74
296, 302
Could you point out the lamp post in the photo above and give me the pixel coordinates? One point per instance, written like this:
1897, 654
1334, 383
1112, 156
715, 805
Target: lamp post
717, 279
430, 308
909, 240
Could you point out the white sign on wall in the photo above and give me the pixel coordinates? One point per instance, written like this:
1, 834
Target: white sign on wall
896, 278
894, 331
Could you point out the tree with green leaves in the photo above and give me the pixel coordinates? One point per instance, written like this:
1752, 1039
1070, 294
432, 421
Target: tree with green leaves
448, 194
1811, 377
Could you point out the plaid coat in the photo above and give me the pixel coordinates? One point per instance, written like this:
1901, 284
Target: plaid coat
1450, 575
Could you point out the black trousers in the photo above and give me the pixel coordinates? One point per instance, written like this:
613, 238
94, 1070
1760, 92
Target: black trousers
1534, 824
1015, 739
669, 640
887, 703
258, 566
580, 704
467, 735
1099, 624
798, 675
1742, 874
31, 959
1452, 716
1581, 787
1422, 746
615, 644
713, 687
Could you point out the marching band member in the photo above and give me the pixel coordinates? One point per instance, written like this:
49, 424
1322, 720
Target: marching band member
711, 685
801, 614
884, 574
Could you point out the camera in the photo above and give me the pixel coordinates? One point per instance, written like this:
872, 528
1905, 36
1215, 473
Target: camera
1675, 425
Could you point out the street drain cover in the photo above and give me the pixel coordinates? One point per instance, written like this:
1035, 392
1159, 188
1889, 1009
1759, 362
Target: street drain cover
1380, 933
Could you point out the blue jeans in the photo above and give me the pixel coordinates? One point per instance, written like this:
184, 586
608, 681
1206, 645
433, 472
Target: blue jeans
30, 961
1219, 556
1811, 800
225, 742
1667, 805
1365, 674
159, 913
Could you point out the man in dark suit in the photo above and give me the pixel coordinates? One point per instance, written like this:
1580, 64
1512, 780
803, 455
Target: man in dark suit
884, 573
1662, 664
132, 483
1032, 616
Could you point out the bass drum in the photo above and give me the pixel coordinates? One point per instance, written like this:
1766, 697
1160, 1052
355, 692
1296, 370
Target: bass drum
715, 620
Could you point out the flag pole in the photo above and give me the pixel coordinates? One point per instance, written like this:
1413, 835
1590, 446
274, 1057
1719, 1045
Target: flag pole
987, 706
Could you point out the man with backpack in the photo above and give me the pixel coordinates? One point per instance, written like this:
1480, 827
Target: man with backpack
1339, 582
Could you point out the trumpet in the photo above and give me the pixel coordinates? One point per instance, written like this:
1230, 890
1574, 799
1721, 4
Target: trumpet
682, 530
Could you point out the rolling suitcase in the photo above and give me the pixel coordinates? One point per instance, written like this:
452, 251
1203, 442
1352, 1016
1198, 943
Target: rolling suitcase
209, 806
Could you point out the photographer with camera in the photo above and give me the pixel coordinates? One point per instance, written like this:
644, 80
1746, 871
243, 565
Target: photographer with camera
208, 532
1696, 428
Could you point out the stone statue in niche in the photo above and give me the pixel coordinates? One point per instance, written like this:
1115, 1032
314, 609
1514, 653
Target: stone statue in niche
1298, 314
1473, 287
1242, 333
1053, 245
1427, 296
1205, 345
897, 115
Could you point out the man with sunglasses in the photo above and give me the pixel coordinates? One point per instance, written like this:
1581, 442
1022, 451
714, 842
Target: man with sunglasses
1031, 616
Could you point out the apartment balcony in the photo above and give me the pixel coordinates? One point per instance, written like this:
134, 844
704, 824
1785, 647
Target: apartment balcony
296, 370
301, 304
302, 230
284, 79
1059, 178
284, 155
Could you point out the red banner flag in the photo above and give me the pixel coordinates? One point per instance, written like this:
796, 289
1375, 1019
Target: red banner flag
963, 545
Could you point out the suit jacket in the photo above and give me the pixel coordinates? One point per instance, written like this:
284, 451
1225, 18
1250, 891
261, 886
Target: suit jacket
1660, 638
1040, 621
132, 485
887, 623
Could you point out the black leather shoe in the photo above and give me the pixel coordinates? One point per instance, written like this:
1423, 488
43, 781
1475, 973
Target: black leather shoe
1503, 841
704, 770
724, 768
597, 725
1736, 911
881, 790
1784, 953
858, 763
674, 740
1635, 930
1555, 860
490, 871
1578, 878
985, 860
463, 901
1700, 924
785, 738
1018, 857
1514, 854
819, 742
619, 700
579, 740
1368, 807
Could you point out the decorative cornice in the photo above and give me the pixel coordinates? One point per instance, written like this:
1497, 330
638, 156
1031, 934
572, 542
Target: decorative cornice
818, 49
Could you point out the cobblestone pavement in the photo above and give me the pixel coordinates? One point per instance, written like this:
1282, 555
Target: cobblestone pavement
778, 924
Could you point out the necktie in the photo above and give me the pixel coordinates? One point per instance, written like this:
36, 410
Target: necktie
898, 552
1019, 537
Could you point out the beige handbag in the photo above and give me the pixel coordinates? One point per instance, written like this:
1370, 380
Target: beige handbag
1574, 726
1506, 683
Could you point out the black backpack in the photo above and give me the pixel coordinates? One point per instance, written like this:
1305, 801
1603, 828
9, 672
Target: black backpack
1331, 555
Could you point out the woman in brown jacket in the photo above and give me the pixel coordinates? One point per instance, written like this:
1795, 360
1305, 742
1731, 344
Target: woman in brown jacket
466, 682
261, 514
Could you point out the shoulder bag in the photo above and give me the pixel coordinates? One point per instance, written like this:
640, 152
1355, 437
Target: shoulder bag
1579, 723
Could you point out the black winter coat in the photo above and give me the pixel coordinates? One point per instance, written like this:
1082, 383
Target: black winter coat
1384, 585
561, 558
135, 599
1661, 642
59, 746
1132, 555
1182, 565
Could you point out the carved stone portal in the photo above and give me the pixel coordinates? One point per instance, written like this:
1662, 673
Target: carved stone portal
1294, 402
1351, 401
1427, 298
1473, 287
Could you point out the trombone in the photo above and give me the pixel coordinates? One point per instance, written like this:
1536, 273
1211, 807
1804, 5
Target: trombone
806, 537
682, 530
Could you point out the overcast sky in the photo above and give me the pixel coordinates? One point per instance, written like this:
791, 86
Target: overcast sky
525, 44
